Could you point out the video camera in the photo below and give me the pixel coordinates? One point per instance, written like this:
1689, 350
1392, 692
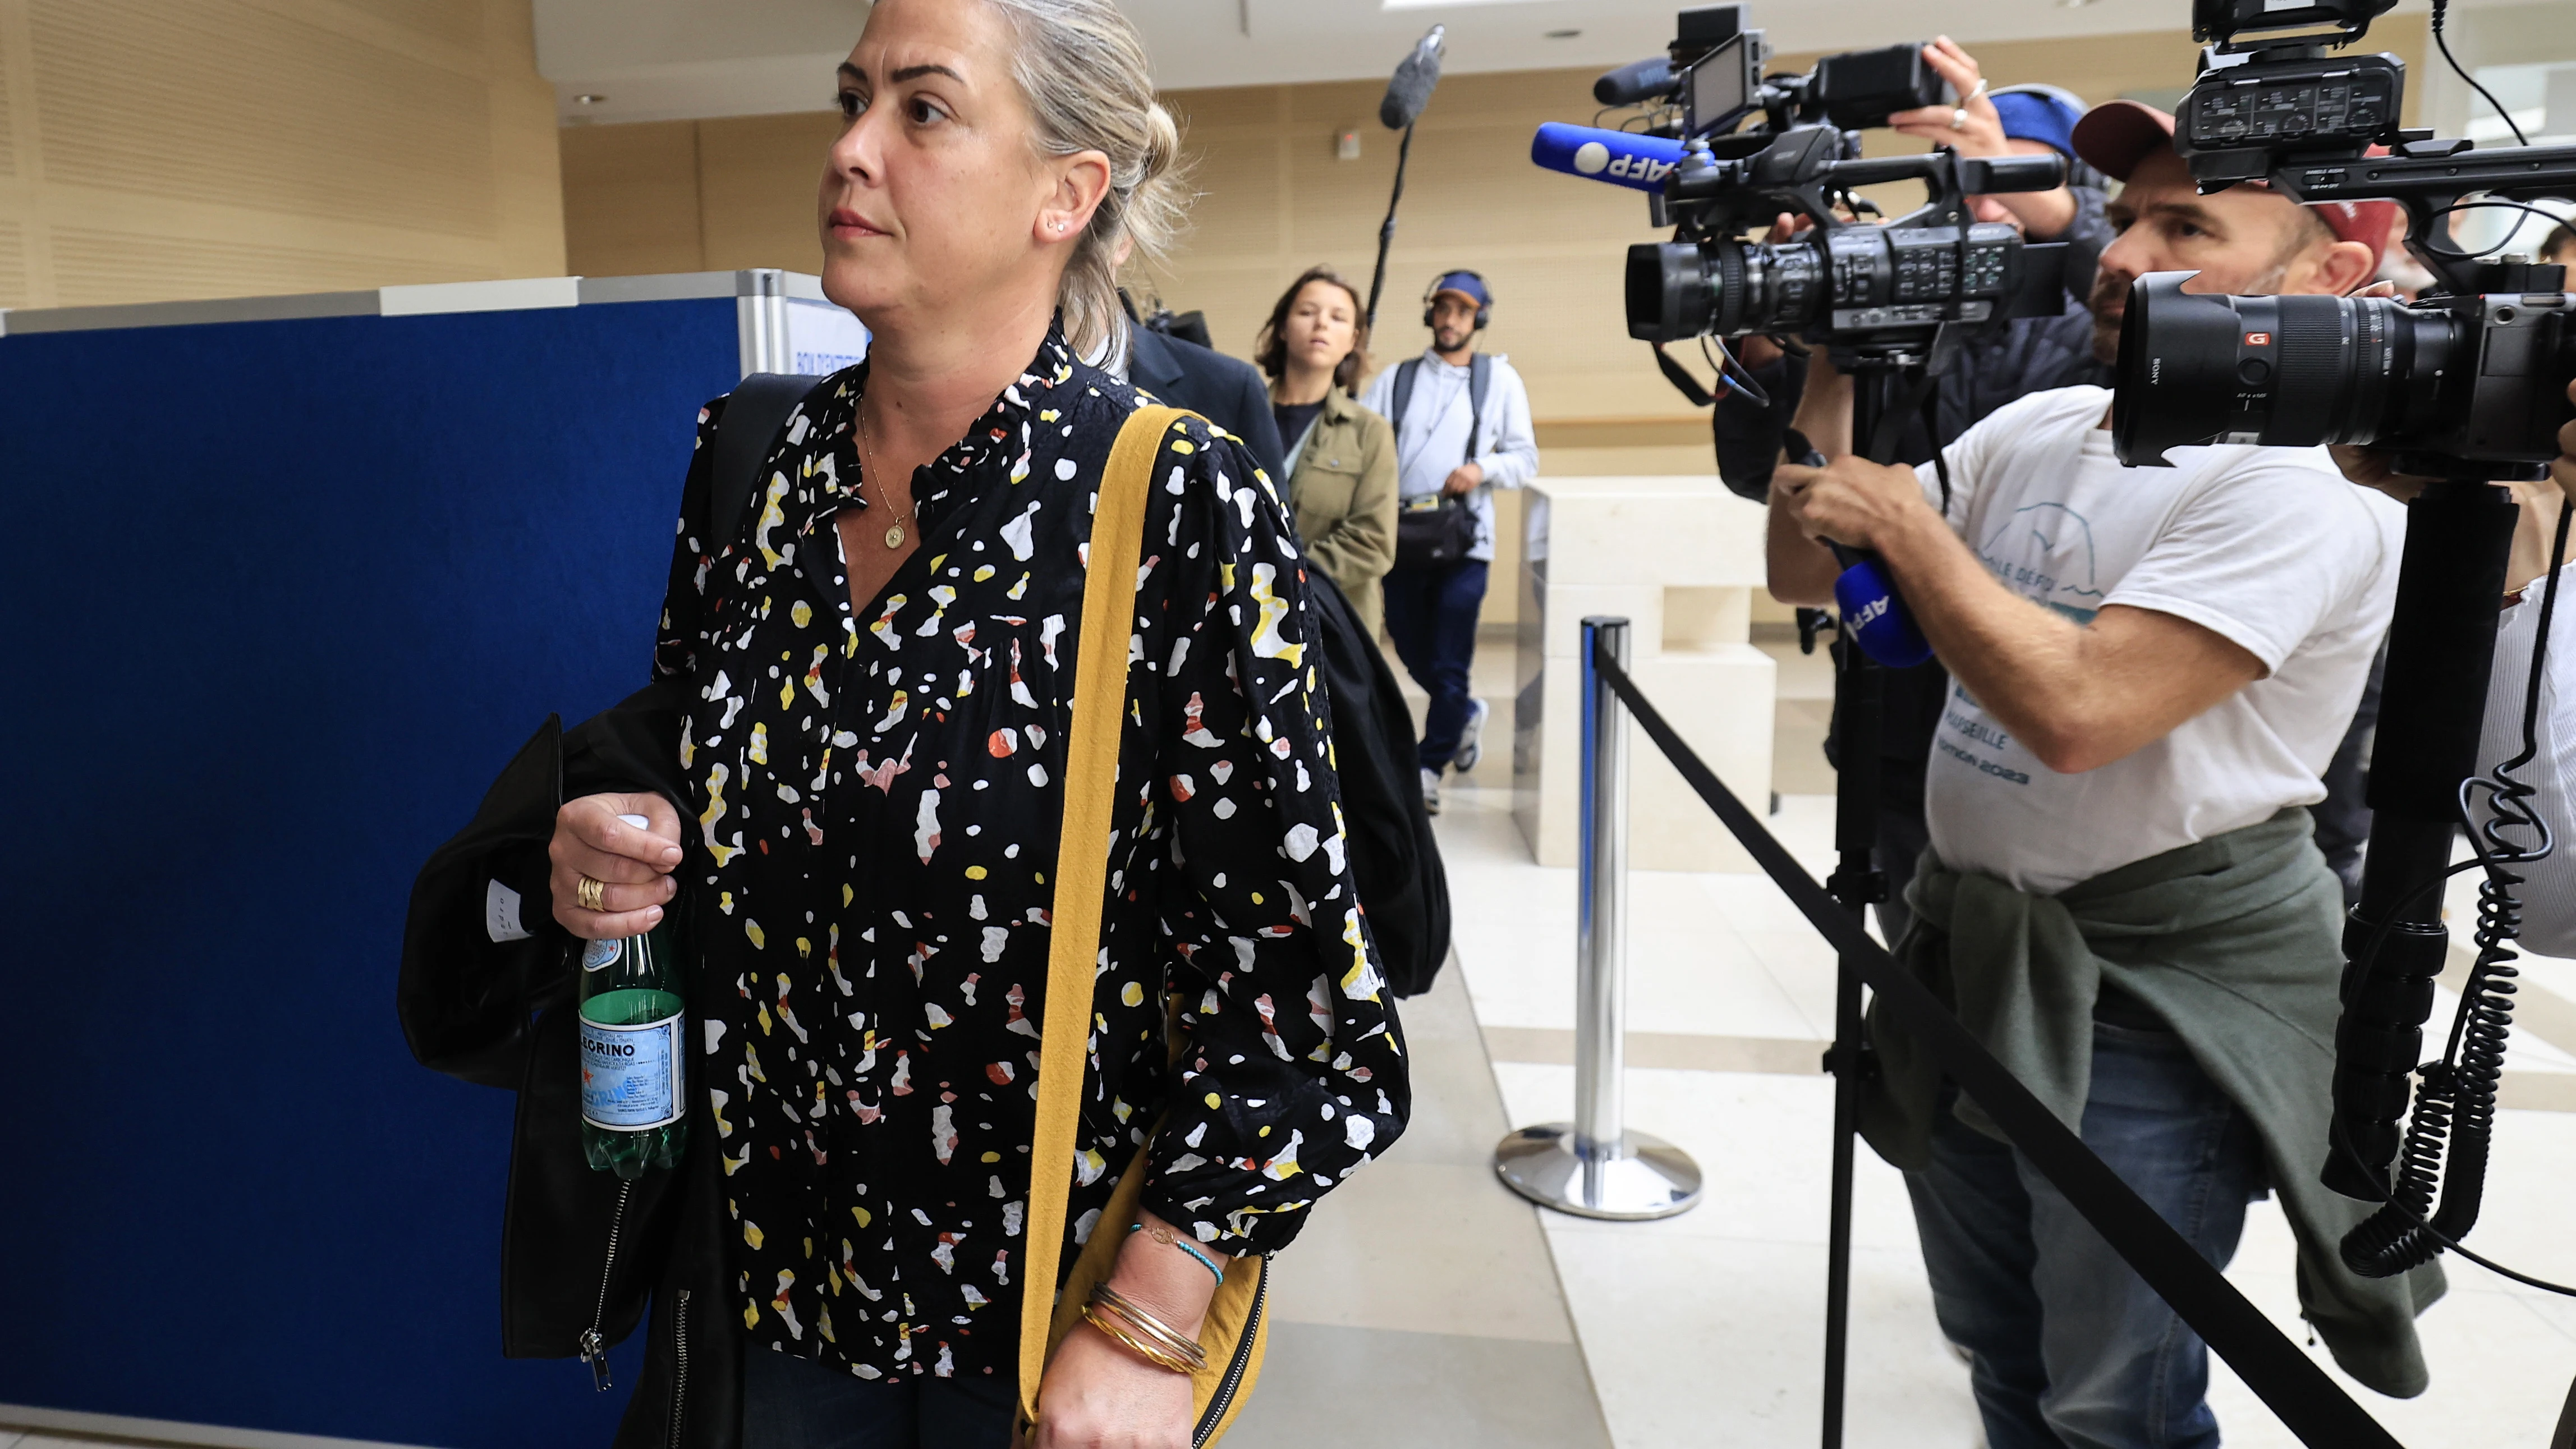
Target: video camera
1712, 76
2467, 386
1849, 284
2474, 375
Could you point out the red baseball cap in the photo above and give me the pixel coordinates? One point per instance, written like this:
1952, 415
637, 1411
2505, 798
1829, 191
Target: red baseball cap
2115, 136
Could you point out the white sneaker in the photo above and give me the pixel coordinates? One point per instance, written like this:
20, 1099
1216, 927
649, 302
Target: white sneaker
1431, 792
1471, 740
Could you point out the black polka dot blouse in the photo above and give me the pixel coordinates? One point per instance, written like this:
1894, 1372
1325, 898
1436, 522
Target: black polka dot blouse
877, 798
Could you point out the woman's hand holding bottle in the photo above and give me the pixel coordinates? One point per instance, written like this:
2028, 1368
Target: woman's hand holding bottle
628, 867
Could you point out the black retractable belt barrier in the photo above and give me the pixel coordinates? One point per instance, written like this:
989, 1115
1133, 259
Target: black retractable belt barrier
2313, 1406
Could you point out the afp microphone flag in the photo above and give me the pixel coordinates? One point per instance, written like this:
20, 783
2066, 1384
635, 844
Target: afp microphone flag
1622, 158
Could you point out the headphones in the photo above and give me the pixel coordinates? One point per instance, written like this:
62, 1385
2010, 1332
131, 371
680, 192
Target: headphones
1484, 311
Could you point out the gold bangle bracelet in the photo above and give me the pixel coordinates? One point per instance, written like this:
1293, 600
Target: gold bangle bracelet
1180, 1345
1117, 1334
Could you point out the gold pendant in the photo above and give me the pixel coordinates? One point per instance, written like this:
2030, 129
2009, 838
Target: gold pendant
894, 535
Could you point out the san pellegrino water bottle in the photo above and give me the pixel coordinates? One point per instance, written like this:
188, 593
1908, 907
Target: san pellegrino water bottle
634, 1087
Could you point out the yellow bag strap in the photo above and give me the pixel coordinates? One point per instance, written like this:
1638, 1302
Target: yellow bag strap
1082, 866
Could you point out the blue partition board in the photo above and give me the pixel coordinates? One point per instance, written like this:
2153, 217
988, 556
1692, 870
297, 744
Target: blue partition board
281, 598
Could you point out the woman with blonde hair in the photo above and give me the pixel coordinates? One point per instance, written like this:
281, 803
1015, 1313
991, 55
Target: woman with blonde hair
850, 770
1341, 456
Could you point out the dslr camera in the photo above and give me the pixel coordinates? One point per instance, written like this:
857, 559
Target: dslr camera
2473, 376
1849, 284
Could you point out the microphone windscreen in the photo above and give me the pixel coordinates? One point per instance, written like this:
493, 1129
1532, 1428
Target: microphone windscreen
1636, 81
1622, 158
1410, 91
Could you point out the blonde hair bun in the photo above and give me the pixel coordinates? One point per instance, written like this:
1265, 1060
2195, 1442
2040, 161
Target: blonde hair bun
1082, 68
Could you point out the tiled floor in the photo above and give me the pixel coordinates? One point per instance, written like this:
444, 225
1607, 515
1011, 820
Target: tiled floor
1420, 1307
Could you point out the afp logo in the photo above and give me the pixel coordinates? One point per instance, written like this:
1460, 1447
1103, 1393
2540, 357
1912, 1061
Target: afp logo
1594, 159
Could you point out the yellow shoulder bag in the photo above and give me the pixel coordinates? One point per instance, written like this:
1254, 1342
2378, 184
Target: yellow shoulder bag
1236, 1328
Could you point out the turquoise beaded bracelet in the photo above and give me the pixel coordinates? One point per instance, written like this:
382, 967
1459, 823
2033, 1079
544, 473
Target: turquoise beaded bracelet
1187, 1247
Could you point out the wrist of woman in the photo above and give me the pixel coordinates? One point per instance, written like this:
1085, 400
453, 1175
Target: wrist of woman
1165, 1281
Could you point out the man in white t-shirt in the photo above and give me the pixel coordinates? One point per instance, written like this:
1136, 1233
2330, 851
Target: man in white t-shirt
2151, 668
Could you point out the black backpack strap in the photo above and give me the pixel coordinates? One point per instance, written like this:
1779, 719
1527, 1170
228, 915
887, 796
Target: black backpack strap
1480, 378
1405, 372
754, 412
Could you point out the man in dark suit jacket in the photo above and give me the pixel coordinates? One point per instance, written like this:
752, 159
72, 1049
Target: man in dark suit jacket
1224, 390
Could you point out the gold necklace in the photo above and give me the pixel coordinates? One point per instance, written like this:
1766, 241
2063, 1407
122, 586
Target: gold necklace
894, 534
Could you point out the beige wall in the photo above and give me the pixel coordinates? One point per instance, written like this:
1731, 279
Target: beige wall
689, 196
153, 149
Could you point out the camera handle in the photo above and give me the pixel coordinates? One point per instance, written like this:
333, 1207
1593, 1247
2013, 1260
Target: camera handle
1879, 382
2441, 653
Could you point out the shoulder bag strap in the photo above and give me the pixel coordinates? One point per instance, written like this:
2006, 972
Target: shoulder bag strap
754, 412
1082, 866
1480, 376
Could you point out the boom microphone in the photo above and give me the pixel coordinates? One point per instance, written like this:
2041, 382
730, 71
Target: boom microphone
1622, 158
1638, 80
1410, 91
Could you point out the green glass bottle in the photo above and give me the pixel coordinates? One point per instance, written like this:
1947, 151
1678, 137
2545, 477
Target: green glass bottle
634, 1081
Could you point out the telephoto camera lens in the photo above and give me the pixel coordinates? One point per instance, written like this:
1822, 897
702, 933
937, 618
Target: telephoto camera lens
1681, 290
2279, 371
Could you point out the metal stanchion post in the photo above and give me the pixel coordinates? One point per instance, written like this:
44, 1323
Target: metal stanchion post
1593, 1166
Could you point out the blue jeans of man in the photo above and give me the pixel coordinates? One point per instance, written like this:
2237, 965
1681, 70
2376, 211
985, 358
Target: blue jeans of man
2071, 1349
797, 1403
1431, 614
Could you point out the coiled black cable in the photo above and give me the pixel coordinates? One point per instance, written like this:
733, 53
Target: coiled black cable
2454, 1110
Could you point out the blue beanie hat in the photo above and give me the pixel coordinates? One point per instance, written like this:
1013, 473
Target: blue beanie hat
2046, 116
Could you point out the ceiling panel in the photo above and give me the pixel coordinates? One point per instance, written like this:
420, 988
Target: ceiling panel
657, 59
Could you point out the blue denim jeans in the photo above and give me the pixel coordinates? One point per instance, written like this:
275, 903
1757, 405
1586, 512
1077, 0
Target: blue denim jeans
2071, 1348
797, 1403
1431, 615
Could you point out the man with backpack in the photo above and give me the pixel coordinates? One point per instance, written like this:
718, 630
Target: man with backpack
1462, 429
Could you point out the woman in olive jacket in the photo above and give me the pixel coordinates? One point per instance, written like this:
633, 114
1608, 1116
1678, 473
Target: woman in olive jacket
1341, 456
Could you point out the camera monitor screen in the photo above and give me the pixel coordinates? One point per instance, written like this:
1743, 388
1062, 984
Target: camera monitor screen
1721, 86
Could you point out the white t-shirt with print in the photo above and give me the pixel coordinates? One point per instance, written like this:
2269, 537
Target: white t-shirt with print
2268, 547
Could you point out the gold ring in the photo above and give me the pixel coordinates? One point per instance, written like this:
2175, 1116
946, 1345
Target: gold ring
590, 894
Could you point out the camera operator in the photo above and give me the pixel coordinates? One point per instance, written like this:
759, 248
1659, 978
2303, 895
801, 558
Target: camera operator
2028, 355
2122, 899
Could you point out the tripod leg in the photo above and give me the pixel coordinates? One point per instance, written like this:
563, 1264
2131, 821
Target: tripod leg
1839, 1227
1856, 884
